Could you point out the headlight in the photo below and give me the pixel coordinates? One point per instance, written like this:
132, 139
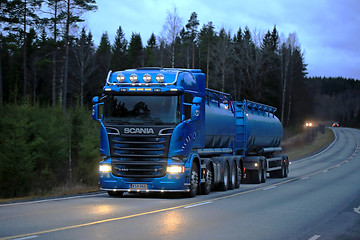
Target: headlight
160, 78
175, 169
146, 78
133, 78
105, 168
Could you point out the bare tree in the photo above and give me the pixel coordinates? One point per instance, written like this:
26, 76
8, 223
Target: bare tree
223, 55
84, 62
171, 30
286, 54
74, 9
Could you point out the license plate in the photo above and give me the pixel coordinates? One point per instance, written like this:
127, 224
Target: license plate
138, 186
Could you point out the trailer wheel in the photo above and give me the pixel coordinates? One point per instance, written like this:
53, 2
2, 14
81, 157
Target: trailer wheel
286, 167
256, 175
232, 177
194, 181
278, 173
238, 177
225, 184
207, 185
115, 194
263, 174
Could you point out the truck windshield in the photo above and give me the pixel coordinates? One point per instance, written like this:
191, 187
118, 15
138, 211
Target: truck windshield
140, 110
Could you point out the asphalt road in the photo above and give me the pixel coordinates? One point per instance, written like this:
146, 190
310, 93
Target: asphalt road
319, 200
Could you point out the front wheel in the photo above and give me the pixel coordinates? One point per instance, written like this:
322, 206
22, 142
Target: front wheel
194, 182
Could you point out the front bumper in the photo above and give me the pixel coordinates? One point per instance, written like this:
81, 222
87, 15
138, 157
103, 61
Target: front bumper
168, 183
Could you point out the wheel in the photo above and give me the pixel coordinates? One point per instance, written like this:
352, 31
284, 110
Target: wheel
256, 175
238, 177
279, 173
263, 174
232, 182
286, 168
194, 182
207, 185
115, 194
225, 184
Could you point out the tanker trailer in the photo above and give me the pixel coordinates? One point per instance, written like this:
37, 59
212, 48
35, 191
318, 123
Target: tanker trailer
261, 138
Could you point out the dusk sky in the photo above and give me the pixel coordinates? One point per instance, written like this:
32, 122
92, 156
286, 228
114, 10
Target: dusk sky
328, 31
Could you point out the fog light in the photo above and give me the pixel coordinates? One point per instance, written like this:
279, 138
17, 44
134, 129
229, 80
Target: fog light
175, 169
105, 168
160, 78
146, 78
133, 78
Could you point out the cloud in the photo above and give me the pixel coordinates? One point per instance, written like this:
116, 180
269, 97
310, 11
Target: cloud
328, 30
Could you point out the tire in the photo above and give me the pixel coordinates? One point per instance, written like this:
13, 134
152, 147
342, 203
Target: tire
238, 177
232, 181
115, 194
256, 175
278, 173
194, 182
286, 168
263, 174
225, 183
207, 185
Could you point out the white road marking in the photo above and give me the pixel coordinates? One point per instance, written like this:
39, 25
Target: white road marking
50, 200
199, 204
269, 188
304, 178
29, 237
357, 210
314, 237
325, 171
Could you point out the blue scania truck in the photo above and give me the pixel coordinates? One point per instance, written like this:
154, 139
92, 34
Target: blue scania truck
163, 131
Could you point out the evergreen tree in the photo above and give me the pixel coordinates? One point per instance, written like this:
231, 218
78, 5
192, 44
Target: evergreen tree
102, 58
151, 51
206, 39
135, 52
118, 51
18, 16
191, 27
270, 68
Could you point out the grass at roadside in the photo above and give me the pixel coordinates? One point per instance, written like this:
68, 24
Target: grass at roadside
57, 192
299, 146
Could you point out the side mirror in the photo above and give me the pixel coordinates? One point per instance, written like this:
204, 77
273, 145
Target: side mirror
95, 100
195, 109
95, 112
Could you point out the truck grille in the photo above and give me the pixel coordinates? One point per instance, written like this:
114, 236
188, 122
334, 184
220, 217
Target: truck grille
141, 156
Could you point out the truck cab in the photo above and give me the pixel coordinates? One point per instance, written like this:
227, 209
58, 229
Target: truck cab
150, 122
